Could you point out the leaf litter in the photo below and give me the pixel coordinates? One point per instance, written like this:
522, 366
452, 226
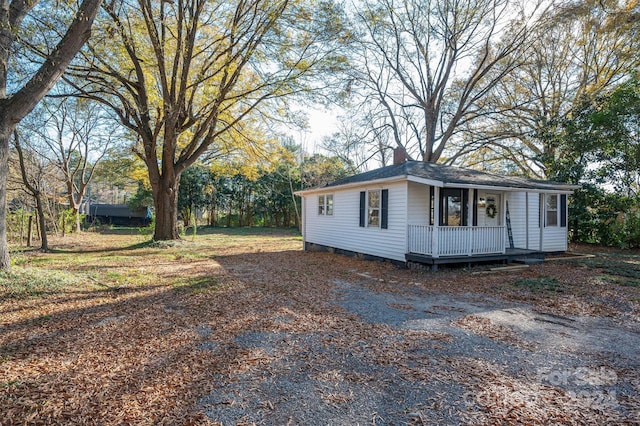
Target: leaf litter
248, 329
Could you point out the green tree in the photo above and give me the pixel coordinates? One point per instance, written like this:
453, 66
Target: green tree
319, 170
194, 192
598, 146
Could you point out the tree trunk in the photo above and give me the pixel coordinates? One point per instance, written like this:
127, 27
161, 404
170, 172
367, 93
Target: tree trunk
30, 231
76, 214
44, 242
166, 203
5, 132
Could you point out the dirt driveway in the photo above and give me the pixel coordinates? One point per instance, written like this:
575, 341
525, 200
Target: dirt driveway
240, 330
405, 354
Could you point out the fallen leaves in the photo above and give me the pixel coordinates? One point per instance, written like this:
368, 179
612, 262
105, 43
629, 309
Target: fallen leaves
141, 335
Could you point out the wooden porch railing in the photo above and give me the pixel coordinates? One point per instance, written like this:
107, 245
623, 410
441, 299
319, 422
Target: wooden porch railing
455, 240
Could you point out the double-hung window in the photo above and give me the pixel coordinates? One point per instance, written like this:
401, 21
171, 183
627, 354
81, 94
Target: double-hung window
551, 210
373, 217
555, 210
325, 205
374, 208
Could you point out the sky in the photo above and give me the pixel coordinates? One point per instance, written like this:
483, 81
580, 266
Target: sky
322, 123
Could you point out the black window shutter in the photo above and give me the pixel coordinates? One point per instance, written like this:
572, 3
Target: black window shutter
363, 200
563, 210
384, 210
465, 207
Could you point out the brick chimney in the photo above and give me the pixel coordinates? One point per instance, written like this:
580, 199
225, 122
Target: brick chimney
399, 156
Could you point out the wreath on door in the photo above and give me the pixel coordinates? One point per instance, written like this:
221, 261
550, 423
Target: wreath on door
492, 210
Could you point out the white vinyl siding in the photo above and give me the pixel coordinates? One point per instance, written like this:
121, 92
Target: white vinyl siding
418, 199
518, 215
344, 232
525, 219
534, 221
554, 237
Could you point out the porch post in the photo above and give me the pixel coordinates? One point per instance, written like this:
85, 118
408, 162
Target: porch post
435, 250
470, 234
526, 220
542, 209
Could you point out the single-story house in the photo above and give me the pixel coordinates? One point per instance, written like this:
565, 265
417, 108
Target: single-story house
431, 214
117, 214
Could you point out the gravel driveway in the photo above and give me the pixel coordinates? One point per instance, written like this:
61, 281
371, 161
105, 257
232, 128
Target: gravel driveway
424, 357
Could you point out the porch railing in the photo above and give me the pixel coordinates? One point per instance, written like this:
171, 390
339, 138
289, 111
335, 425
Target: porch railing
455, 240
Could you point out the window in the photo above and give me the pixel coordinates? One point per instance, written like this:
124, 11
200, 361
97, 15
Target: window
325, 205
373, 208
551, 210
453, 207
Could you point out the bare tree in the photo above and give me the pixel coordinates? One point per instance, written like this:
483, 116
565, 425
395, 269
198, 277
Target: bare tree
33, 171
583, 49
75, 135
184, 76
359, 142
16, 105
425, 66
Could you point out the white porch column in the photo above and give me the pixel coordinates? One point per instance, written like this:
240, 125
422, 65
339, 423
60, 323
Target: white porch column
526, 219
542, 209
470, 212
436, 223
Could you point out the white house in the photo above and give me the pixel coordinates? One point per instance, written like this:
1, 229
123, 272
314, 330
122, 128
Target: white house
433, 214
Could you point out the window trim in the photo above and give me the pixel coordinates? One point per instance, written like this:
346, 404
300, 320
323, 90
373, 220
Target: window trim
371, 209
383, 208
326, 206
463, 194
548, 210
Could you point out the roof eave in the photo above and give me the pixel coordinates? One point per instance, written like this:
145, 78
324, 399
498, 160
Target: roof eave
550, 188
320, 189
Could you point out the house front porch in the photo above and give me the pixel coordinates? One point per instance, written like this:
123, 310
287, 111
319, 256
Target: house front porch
435, 245
439, 241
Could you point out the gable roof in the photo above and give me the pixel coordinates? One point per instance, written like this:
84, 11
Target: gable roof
445, 176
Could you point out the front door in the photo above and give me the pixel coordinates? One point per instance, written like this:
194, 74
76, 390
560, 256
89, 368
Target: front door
489, 209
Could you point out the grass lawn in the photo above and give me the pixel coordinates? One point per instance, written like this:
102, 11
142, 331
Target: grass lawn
113, 329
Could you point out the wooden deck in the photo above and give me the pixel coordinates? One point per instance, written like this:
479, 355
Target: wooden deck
510, 256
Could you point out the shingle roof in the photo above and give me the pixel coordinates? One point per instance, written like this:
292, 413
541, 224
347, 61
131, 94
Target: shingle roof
449, 175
